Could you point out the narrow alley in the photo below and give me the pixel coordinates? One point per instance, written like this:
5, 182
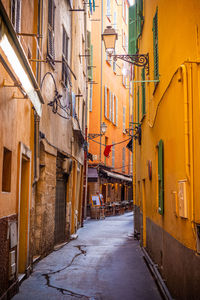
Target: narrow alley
104, 262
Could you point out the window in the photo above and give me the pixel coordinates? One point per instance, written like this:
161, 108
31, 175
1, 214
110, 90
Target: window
51, 22
160, 178
65, 72
108, 59
126, 43
114, 65
6, 174
123, 159
110, 106
155, 46
143, 93
16, 14
113, 108
115, 20
90, 100
108, 11
113, 155
73, 111
105, 102
136, 21
123, 9
90, 57
116, 112
124, 119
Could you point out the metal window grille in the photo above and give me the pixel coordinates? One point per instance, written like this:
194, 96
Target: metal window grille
16, 14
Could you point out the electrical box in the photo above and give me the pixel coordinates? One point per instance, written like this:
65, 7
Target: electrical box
13, 233
182, 198
12, 264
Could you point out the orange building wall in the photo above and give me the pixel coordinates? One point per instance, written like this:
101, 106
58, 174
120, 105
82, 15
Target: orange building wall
113, 81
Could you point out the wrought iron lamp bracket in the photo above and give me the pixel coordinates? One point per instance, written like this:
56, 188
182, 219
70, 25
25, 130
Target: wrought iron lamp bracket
92, 136
139, 60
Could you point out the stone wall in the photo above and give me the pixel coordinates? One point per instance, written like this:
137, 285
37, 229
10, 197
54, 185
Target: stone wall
45, 204
5, 248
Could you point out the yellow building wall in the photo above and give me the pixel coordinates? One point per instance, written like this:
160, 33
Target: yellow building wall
178, 44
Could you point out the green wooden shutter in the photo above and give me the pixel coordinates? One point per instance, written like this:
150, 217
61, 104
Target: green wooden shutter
139, 8
132, 31
89, 50
160, 178
91, 61
155, 46
143, 93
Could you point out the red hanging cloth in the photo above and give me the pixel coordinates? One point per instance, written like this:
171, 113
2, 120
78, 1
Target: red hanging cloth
107, 150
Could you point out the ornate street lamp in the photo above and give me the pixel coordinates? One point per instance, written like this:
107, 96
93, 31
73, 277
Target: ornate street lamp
109, 37
103, 129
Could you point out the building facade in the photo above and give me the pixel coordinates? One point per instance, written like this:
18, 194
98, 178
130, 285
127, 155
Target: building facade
166, 106
109, 103
42, 132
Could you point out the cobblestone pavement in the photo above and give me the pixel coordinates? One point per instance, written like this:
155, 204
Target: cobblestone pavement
103, 263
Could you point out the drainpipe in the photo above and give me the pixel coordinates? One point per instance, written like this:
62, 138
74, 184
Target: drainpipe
186, 120
191, 142
188, 131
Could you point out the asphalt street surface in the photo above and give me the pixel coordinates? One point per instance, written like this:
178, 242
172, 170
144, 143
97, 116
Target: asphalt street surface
103, 263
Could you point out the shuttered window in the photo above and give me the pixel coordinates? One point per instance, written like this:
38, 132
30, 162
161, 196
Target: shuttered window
16, 14
65, 72
73, 105
136, 21
116, 111
91, 94
124, 119
108, 12
143, 93
155, 46
51, 27
105, 102
113, 155
113, 108
139, 17
123, 159
89, 53
160, 178
115, 20
110, 106
132, 31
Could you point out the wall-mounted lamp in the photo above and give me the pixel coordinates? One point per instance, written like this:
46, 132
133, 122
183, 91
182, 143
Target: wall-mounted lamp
109, 36
103, 129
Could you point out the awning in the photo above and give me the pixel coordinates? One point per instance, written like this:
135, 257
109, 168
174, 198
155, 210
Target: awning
11, 49
117, 176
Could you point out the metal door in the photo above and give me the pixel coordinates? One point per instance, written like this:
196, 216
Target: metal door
60, 210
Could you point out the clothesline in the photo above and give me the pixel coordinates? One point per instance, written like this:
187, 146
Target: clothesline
111, 144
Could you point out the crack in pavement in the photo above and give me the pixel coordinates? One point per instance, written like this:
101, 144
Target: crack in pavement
62, 290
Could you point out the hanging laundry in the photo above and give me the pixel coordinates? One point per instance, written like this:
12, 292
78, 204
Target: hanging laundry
107, 150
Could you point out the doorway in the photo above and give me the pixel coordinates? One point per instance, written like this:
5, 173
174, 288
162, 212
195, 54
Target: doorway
24, 209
